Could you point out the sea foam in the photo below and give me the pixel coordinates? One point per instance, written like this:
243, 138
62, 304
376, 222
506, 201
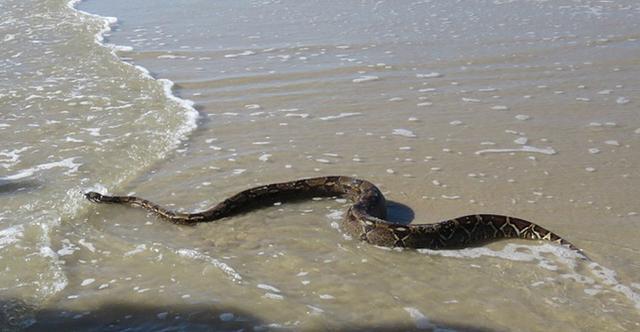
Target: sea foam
191, 114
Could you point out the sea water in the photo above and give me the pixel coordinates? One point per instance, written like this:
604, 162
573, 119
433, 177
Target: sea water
524, 108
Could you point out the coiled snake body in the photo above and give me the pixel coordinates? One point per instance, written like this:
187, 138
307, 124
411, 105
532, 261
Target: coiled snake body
364, 220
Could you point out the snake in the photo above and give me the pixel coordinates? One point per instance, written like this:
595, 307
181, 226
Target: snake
365, 219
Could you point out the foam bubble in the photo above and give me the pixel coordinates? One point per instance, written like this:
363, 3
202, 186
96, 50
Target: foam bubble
521, 140
87, 282
138, 249
366, 78
421, 321
622, 100
612, 142
340, 116
12, 156
268, 288
327, 297
429, 75
11, 235
273, 296
228, 270
525, 148
244, 53
264, 157
403, 132
335, 215
68, 163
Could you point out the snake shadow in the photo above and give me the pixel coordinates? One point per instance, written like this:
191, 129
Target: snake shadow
399, 213
9, 187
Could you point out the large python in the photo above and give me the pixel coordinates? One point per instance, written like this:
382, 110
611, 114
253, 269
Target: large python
364, 220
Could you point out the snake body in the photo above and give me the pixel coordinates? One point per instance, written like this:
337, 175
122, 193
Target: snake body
364, 220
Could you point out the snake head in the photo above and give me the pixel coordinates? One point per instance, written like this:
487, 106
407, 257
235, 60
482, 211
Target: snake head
93, 196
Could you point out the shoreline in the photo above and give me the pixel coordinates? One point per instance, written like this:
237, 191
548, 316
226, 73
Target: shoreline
191, 116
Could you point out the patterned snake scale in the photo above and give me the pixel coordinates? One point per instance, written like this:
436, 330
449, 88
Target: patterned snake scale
364, 220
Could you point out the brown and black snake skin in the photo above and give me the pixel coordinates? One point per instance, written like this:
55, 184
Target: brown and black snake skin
365, 219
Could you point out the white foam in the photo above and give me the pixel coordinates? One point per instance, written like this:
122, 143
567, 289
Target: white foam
327, 296
264, 157
561, 256
403, 132
421, 321
612, 142
87, 245
525, 148
138, 249
622, 100
521, 140
340, 116
87, 282
11, 235
335, 214
171, 56
191, 114
244, 53
511, 251
121, 48
68, 163
228, 270
56, 281
12, 156
68, 248
429, 75
366, 78
314, 310
268, 288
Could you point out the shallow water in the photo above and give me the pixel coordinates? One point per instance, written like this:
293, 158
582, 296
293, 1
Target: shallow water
524, 108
